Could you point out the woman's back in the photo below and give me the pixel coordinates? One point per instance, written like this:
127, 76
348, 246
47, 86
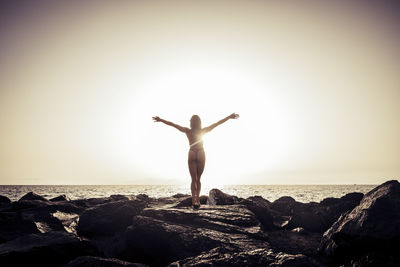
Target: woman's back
194, 136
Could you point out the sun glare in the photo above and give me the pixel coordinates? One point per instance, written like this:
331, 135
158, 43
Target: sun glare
252, 143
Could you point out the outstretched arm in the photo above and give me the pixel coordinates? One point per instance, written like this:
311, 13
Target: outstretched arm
212, 126
180, 128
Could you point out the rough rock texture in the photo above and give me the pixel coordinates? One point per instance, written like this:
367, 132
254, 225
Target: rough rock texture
162, 235
228, 256
370, 233
32, 196
120, 230
90, 261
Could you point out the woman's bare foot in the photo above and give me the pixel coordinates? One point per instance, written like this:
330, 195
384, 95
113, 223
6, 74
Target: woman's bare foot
196, 202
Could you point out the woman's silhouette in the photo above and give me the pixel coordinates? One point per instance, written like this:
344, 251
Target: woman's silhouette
197, 157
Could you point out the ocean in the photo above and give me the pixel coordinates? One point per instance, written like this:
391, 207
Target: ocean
302, 193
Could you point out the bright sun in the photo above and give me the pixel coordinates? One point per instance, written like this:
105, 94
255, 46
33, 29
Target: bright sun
255, 142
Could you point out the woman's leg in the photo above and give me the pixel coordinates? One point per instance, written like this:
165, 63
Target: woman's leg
193, 173
201, 161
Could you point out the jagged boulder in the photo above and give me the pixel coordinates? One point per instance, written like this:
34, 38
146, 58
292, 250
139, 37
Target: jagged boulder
329, 201
371, 227
32, 196
12, 225
284, 205
354, 197
217, 197
260, 207
24, 204
108, 218
310, 217
316, 217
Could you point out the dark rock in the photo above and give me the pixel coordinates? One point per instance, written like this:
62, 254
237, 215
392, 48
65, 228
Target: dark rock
187, 202
67, 207
371, 227
355, 196
24, 204
260, 208
329, 201
119, 197
59, 216
332, 212
106, 219
60, 198
227, 256
32, 196
91, 202
142, 197
158, 243
295, 242
259, 199
161, 235
4, 199
69, 221
12, 225
309, 217
320, 217
217, 197
376, 258
48, 249
33, 216
90, 261
284, 205
228, 219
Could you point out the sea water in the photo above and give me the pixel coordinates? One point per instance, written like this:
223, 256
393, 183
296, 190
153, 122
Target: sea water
302, 193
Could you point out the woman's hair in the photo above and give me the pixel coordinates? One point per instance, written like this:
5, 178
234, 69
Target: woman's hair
195, 122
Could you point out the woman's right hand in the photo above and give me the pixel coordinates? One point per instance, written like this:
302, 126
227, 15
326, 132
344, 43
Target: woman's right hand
156, 119
234, 116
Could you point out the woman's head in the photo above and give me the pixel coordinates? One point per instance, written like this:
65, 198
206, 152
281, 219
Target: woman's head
195, 122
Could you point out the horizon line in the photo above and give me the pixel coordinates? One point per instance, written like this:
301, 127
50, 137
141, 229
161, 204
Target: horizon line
181, 184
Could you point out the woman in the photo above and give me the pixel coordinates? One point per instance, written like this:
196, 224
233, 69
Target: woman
197, 157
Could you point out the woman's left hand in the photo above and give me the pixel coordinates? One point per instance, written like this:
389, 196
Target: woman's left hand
234, 116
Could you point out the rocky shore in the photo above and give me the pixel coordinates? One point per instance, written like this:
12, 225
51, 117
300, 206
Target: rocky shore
354, 230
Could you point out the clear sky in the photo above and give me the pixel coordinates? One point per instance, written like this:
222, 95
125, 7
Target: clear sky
317, 86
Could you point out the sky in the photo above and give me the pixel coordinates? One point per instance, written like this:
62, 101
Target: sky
316, 84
